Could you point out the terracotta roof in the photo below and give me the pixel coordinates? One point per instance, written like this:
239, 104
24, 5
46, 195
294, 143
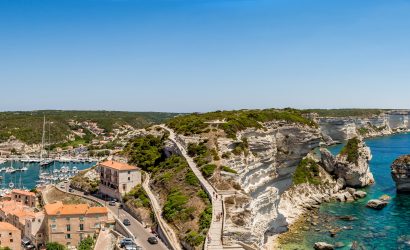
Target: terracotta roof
7, 226
118, 165
59, 209
23, 192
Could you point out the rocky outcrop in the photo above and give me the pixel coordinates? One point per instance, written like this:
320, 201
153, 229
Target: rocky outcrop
356, 172
400, 171
339, 129
323, 246
376, 204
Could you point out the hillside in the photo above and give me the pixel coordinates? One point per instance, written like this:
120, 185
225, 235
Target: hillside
345, 112
27, 126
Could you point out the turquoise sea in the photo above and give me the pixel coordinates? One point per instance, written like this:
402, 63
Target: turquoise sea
385, 229
29, 177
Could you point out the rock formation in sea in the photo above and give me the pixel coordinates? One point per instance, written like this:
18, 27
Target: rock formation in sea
400, 171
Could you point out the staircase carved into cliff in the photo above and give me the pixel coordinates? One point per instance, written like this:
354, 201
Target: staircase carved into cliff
214, 237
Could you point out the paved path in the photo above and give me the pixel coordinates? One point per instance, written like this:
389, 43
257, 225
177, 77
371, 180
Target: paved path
214, 237
140, 233
169, 233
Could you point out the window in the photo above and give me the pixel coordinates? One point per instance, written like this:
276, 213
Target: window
68, 236
81, 218
53, 219
68, 228
129, 172
81, 227
10, 234
53, 227
97, 225
68, 218
11, 240
124, 187
129, 178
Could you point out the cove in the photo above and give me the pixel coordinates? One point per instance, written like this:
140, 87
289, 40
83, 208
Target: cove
371, 229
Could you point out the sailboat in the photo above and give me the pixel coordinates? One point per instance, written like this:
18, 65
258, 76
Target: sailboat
44, 162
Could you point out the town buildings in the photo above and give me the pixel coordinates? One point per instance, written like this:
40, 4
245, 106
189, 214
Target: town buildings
69, 224
118, 178
25, 197
10, 236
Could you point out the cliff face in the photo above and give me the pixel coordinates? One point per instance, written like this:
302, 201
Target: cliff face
400, 171
338, 129
264, 173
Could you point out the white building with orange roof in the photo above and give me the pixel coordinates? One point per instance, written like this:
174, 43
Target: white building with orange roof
118, 178
10, 236
69, 224
23, 196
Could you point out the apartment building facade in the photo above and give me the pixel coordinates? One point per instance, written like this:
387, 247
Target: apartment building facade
117, 178
69, 224
10, 236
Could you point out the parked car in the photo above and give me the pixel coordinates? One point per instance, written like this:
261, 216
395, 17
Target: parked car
111, 203
70, 190
30, 247
86, 193
126, 241
126, 222
153, 240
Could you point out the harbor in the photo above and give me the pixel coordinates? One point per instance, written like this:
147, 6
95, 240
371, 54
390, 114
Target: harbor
29, 175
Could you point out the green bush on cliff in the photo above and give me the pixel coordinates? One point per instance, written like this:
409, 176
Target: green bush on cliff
351, 150
200, 152
208, 170
194, 238
145, 152
139, 197
228, 169
175, 207
205, 218
307, 172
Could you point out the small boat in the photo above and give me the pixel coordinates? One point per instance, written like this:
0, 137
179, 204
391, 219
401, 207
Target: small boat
11, 185
10, 170
24, 169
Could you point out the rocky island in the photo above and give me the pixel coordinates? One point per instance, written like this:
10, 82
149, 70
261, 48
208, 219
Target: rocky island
400, 171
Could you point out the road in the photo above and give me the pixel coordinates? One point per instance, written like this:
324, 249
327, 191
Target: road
140, 233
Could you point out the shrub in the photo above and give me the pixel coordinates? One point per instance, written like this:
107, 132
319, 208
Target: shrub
307, 172
194, 239
191, 178
208, 170
144, 151
351, 150
140, 197
55, 246
205, 218
175, 207
228, 169
202, 194
86, 244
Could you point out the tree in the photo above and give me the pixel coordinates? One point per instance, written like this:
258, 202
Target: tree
86, 244
5, 248
55, 246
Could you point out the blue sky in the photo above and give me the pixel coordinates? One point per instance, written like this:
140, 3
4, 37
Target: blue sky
201, 55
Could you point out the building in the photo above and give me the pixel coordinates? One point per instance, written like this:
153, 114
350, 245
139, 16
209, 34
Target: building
118, 178
69, 224
10, 236
34, 230
25, 197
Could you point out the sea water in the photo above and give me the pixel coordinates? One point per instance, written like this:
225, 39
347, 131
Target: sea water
385, 229
29, 177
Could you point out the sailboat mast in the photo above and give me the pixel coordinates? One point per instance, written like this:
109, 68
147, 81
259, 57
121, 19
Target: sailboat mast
43, 137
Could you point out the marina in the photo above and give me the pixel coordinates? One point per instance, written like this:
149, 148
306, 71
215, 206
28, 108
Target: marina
28, 175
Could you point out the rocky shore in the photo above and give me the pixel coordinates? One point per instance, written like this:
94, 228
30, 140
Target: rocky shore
400, 171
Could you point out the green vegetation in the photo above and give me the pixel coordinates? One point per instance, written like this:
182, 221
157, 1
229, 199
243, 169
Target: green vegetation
138, 196
86, 244
27, 126
307, 172
191, 178
145, 152
345, 112
194, 238
175, 207
5, 248
55, 246
208, 170
183, 198
351, 150
228, 169
241, 147
363, 131
205, 219
200, 153
235, 120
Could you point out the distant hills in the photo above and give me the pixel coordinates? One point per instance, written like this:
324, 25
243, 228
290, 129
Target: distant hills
27, 126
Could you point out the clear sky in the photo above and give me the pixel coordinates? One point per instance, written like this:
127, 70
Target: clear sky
201, 55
